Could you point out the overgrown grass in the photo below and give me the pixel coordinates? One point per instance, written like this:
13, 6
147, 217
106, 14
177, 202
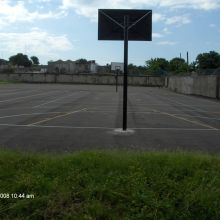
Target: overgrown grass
110, 185
6, 82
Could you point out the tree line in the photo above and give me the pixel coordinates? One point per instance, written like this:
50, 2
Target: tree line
210, 60
161, 66
21, 59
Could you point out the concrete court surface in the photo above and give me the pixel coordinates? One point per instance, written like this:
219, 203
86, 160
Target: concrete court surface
63, 118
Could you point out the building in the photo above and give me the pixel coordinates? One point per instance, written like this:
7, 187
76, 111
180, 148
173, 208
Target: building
72, 67
4, 65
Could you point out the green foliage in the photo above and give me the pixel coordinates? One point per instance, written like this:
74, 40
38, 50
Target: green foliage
20, 60
6, 82
81, 61
178, 65
35, 60
110, 185
209, 60
136, 70
157, 65
193, 66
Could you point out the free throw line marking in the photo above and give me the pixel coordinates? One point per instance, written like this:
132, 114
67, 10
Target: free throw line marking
59, 116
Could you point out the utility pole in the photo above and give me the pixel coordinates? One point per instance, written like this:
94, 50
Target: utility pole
187, 60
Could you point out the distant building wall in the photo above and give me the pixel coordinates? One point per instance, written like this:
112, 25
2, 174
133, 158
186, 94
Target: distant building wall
4, 67
72, 67
218, 87
20, 69
104, 69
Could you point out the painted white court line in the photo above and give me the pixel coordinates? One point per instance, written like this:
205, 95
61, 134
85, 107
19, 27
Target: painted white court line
16, 108
192, 98
70, 105
54, 100
129, 112
94, 109
179, 129
185, 119
27, 114
59, 116
195, 107
169, 95
108, 128
190, 121
191, 116
152, 104
24, 97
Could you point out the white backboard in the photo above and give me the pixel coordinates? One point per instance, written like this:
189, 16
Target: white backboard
117, 66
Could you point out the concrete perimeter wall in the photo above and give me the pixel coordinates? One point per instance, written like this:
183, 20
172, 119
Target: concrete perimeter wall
99, 79
208, 86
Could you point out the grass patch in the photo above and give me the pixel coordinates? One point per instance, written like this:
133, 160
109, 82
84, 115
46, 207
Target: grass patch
3, 82
110, 185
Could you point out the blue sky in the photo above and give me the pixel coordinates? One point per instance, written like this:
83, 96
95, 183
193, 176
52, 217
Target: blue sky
67, 29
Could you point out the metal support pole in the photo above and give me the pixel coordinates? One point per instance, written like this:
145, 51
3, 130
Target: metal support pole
116, 80
125, 86
187, 58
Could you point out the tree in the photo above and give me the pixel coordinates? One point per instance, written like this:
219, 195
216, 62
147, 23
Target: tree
157, 65
209, 60
193, 66
35, 60
136, 70
81, 60
20, 60
178, 65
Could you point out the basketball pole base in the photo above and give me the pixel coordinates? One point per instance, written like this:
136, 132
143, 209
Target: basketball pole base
121, 132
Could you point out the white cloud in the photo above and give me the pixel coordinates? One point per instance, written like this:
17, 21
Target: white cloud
193, 4
44, 0
166, 31
40, 1
158, 17
89, 8
35, 42
212, 25
178, 20
169, 43
11, 12
157, 35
